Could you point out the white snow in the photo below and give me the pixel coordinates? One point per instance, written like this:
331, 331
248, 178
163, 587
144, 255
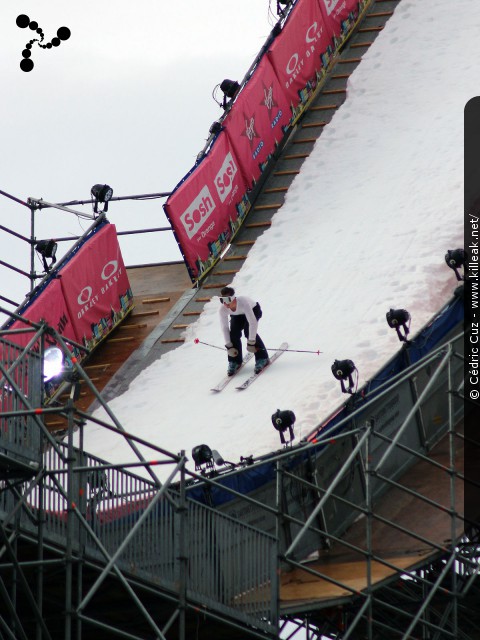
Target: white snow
364, 228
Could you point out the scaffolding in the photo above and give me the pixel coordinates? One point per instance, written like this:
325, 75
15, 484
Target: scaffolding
93, 549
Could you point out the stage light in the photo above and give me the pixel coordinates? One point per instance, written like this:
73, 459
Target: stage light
230, 89
399, 319
101, 193
52, 363
47, 249
215, 128
283, 420
455, 259
203, 457
344, 370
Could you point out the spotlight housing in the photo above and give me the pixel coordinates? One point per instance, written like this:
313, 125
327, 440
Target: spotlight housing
230, 89
283, 420
345, 370
47, 249
399, 319
455, 259
101, 193
203, 457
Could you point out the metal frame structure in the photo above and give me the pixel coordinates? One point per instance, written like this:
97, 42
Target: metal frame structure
174, 561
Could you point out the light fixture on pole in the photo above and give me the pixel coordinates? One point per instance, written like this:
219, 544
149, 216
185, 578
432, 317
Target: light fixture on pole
203, 457
399, 319
345, 370
230, 88
47, 249
455, 259
283, 420
101, 193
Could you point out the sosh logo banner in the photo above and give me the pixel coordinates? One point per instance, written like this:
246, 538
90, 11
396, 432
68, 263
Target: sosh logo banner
24, 22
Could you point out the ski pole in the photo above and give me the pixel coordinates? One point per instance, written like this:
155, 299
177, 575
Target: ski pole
214, 346
296, 350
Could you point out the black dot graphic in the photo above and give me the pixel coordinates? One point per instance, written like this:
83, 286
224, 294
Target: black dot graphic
23, 21
26, 65
49, 45
55, 42
28, 46
33, 25
64, 33
26, 53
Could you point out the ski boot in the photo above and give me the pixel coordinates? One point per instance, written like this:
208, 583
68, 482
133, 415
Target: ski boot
261, 364
233, 367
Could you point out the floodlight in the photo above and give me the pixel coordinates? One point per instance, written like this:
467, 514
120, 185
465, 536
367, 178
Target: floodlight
215, 128
344, 370
203, 457
230, 89
52, 363
101, 193
456, 259
47, 249
399, 319
283, 420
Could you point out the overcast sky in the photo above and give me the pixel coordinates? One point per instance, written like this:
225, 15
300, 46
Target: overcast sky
126, 100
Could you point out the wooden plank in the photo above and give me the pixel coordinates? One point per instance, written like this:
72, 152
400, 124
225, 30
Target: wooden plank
228, 258
143, 314
154, 300
303, 141
357, 45
202, 299
258, 225
214, 286
191, 313
272, 190
333, 91
225, 272
349, 60
267, 207
172, 340
180, 326
286, 173
324, 107
125, 339
341, 76
369, 29
312, 125
380, 14
127, 327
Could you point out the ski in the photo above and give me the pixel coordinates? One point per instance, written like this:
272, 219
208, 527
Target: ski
224, 381
283, 347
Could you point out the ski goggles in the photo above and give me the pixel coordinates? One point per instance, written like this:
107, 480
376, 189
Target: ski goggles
226, 299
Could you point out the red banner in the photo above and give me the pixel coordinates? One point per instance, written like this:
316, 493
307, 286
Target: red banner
96, 288
339, 17
301, 51
51, 307
208, 207
86, 298
257, 123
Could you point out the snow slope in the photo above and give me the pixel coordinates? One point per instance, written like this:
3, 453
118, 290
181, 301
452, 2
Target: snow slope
364, 228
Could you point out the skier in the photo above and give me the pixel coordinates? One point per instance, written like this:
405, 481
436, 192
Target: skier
244, 316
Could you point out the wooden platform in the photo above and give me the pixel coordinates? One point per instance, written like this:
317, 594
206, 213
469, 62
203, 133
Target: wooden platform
156, 290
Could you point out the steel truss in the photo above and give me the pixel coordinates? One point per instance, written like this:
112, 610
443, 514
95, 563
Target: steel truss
82, 541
